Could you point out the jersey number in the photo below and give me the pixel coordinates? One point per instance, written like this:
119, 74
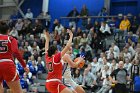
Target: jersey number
3, 46
50, 67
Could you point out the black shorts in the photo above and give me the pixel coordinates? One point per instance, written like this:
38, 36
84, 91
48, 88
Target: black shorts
120, 88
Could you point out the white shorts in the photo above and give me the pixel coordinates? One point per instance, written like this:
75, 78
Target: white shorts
70, 83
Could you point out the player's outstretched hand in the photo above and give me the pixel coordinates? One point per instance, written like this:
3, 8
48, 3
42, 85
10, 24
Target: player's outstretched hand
47, 35
70, 32
81, 58
26, 69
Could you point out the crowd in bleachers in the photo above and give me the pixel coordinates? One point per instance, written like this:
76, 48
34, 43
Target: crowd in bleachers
88, 41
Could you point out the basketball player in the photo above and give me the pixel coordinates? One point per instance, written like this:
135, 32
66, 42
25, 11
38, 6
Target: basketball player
67, 78
8, 50
54, 65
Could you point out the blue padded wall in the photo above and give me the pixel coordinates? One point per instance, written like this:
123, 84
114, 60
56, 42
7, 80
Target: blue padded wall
125, 7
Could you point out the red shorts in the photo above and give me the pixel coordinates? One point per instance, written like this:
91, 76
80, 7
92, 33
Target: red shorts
8, 72
55, 86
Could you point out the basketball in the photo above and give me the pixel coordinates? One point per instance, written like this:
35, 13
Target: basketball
81, 64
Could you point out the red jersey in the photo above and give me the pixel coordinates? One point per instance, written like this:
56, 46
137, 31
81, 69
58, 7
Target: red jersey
54, 66
9, 49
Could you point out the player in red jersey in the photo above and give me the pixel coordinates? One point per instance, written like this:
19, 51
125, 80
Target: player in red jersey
54, 65
8, 50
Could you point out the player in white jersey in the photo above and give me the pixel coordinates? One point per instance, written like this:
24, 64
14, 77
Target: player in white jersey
67, 78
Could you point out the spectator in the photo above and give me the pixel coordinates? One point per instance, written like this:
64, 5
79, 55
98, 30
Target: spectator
104, 63
96, 43
134, 25
40, 65
131, 38
114, 65
130, 49
27, 27
125, 25
11, 23
90, 34
111, 57
78, 36
84, 13
104, 29
87, 49
127, 65
14, 33
37, 28
79, 32
138, 32
73, 31
96, 26
29, 75
63, 37
48, 19
20, 39
42, 43
89, 80
14, 15
95, 67
106, 85
55, 22
56, 36
115, 49
35, 47
45, 18
100, 59
33, 69
59, 47
18, 26
21, 51
137, 57
82, 52
127, 54
59, 28
31, 40
135, 69
83, 39
25, 82
26, 54
35, 54
29, 14
73, 21
19, 68
103, 12
22, 44
137, 84
76, 50
110, 52
77, 77
113, 24
29, 48
89, 24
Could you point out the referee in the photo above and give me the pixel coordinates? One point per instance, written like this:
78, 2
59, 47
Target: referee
121, 77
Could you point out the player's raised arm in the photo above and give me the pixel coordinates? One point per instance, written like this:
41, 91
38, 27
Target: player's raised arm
16, 53
68, 45
70, 62
47, 40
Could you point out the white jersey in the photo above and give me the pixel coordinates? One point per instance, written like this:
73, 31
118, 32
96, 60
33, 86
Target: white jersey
67, 78
66, 70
